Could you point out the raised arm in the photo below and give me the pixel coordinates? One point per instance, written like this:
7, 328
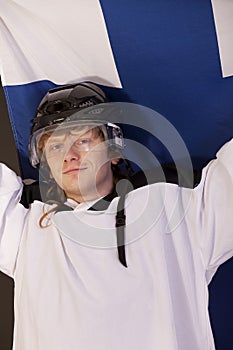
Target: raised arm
12, 218
213, 199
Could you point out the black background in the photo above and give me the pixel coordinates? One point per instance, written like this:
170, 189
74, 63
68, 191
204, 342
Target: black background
8, 156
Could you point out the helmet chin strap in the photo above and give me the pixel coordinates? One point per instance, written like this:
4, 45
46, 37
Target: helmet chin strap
120, 230
122, 188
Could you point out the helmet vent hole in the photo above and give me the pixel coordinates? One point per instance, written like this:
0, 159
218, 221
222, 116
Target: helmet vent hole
57, 107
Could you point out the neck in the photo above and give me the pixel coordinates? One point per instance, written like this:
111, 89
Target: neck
79, 198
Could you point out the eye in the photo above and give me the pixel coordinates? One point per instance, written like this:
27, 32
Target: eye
84, 142
55, 147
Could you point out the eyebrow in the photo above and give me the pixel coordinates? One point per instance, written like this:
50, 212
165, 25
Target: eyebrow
56, 138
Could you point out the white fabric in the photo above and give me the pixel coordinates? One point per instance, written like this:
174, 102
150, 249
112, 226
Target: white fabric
223, 12
69, 295
35, 34
80, 206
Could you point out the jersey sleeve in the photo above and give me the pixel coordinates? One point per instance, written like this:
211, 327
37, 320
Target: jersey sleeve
12, 218
213, 199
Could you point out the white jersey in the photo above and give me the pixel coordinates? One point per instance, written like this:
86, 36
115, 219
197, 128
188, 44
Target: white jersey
71, 291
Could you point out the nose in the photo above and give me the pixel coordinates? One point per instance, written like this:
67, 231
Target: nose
72, 154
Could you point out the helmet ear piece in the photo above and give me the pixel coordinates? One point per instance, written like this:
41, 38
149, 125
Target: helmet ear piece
115, 137
114, 152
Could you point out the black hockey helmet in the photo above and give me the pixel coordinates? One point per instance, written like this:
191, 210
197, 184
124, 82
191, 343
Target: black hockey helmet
60, 107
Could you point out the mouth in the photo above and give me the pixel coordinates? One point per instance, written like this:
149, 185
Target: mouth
74, 171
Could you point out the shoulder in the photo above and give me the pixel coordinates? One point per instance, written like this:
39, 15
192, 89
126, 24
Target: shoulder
166, 173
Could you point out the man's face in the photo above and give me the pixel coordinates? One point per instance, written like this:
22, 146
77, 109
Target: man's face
79, 163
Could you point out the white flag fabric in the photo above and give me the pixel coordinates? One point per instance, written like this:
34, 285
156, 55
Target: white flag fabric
223, 14
42, 40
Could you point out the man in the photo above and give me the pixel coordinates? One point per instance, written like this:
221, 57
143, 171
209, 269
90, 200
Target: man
132, 271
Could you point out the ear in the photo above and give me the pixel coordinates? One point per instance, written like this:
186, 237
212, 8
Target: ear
115, 161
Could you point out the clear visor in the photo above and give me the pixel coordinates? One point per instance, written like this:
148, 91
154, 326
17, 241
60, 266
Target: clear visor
53, 141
